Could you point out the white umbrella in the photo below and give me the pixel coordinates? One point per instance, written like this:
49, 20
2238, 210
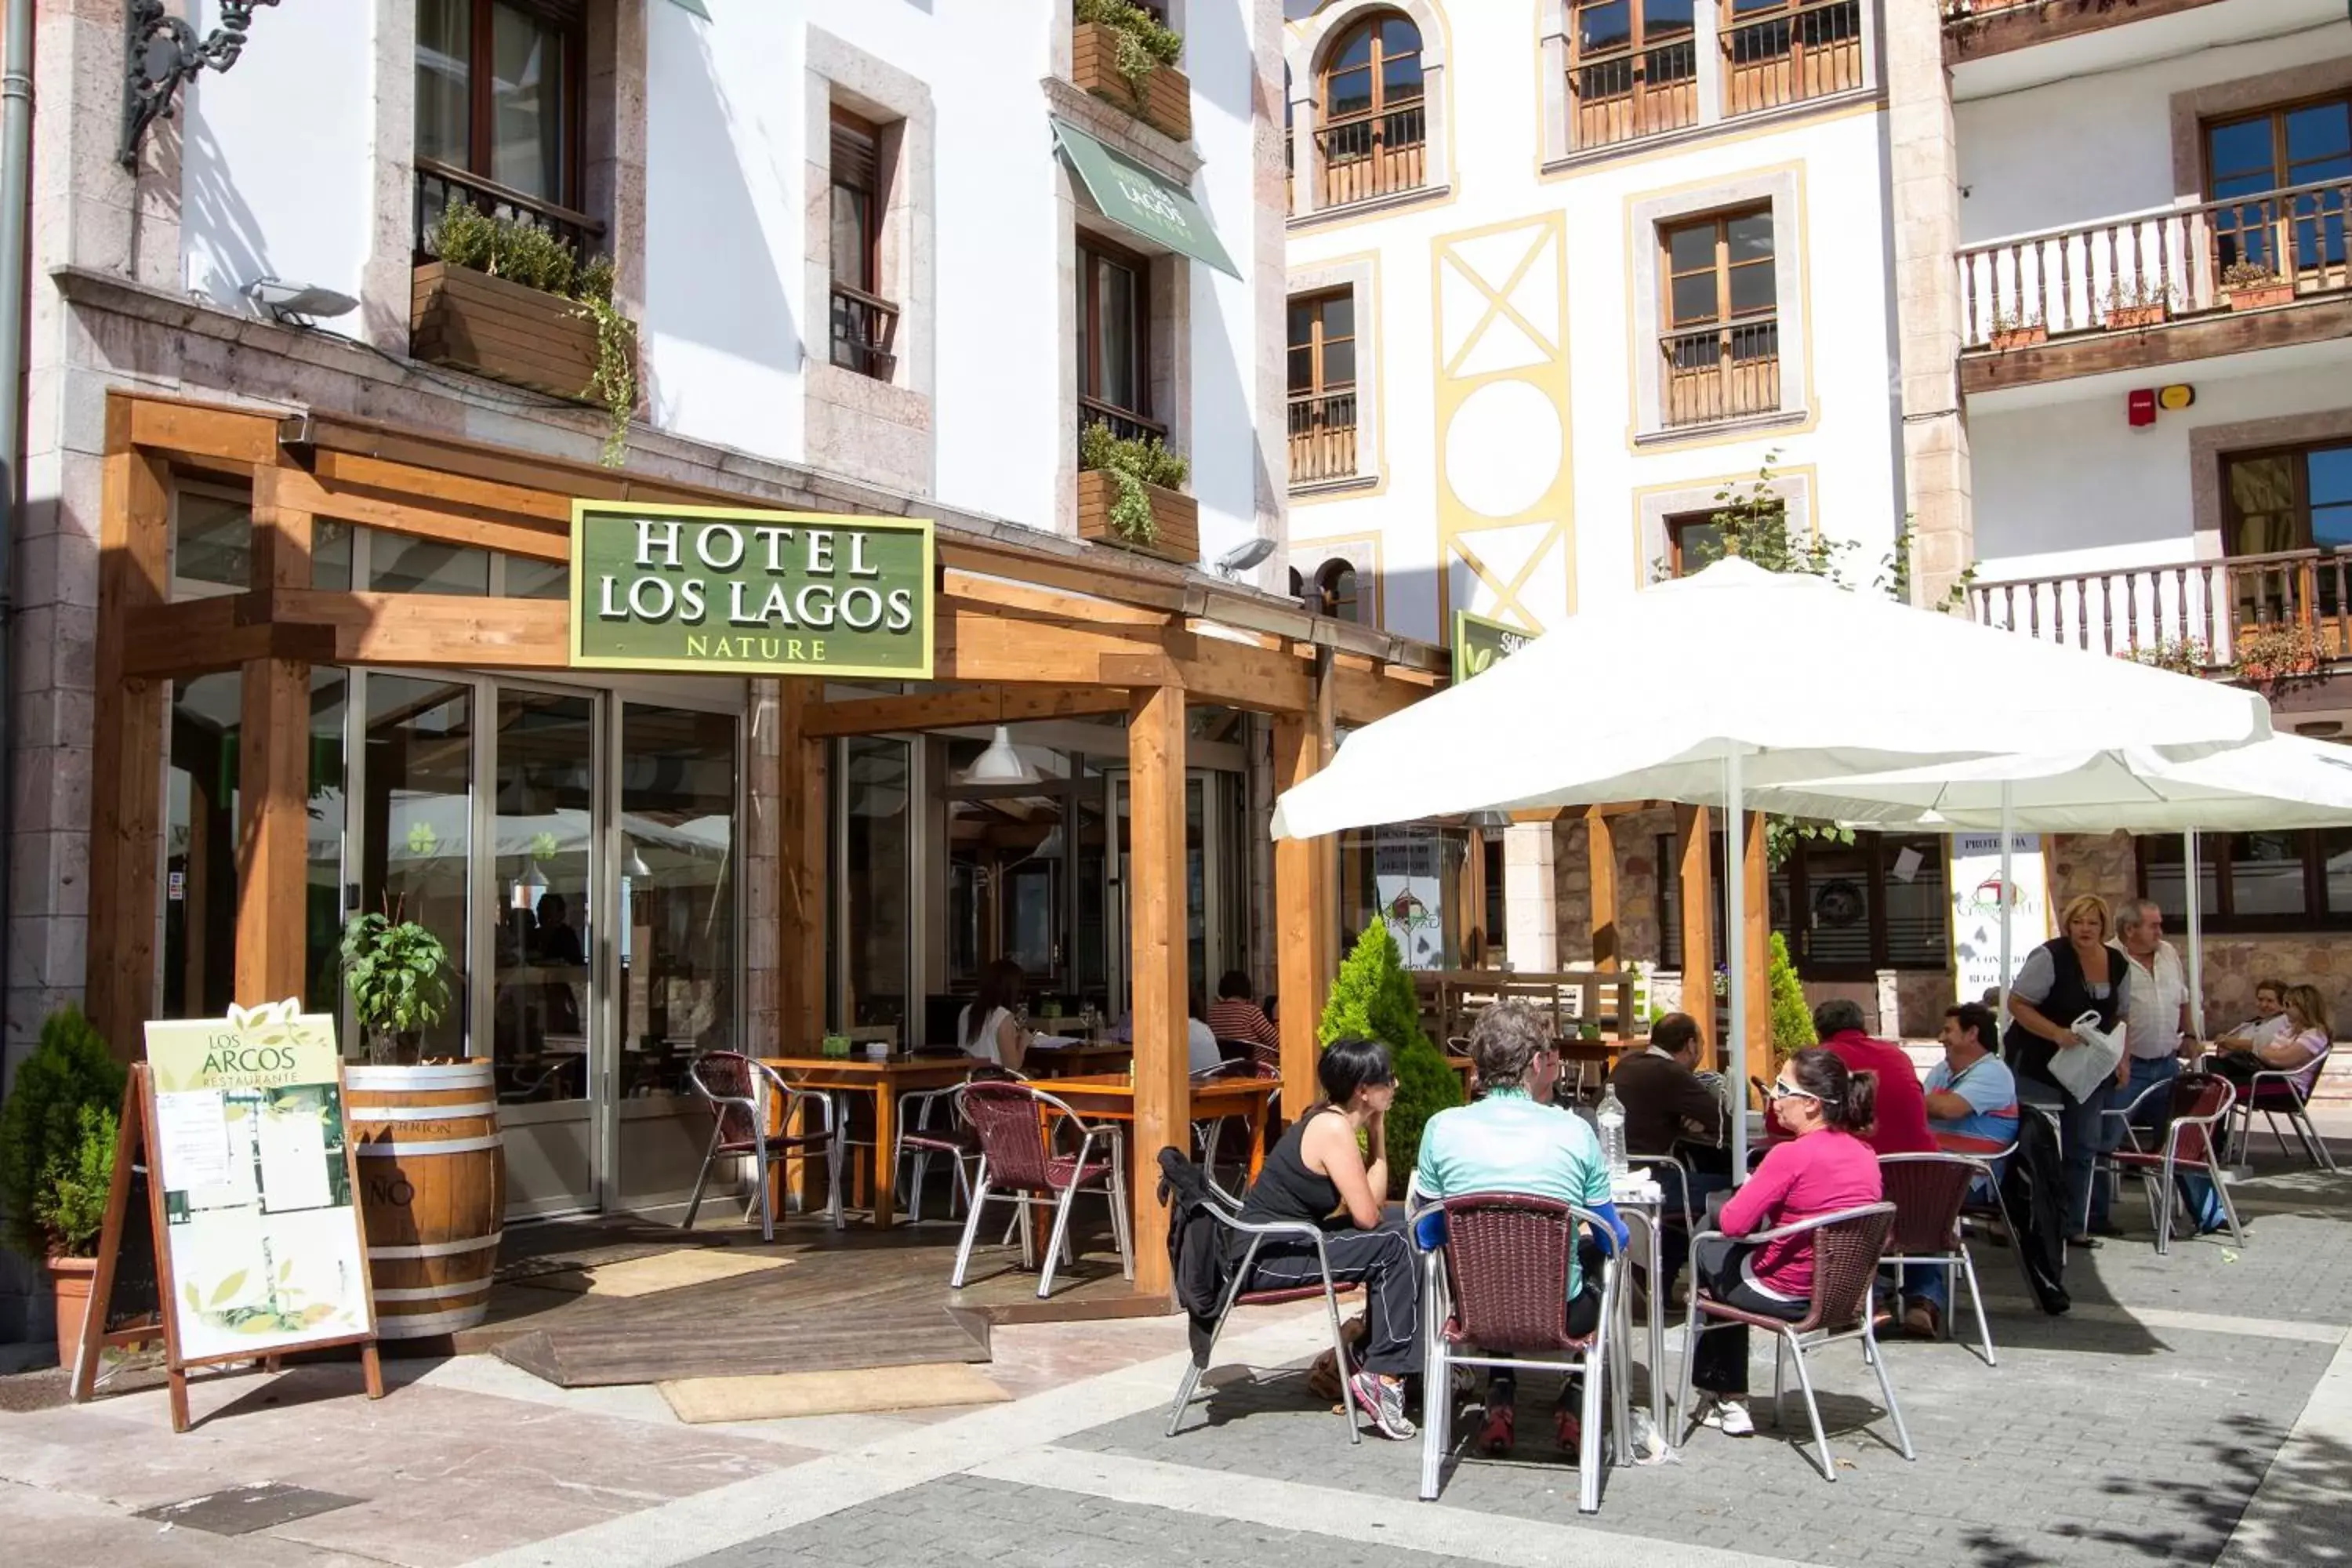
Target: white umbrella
1748, 677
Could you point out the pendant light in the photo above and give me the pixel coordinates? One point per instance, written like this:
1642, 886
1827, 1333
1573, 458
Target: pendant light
1001, 764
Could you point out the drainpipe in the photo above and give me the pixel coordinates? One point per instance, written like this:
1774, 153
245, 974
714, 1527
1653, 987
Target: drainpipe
16, 202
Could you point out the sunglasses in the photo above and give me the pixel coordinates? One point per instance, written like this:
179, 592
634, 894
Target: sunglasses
1791, 1091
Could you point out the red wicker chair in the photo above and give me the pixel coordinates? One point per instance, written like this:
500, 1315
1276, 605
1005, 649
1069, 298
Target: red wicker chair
1847, 1246
2200, 1110
2277, 1092
1498, 1281
736, 1088
1018, 1165
1928, 1192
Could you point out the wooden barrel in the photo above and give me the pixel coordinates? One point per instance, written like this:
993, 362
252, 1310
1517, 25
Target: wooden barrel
433, 1189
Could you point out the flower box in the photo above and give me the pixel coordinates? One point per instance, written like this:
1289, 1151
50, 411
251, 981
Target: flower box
2126, 318
2006, 338
1176, 515
493, 327
1164, 98
2260, 296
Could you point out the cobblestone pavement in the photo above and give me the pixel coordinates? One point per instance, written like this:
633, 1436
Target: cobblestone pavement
2194, 1409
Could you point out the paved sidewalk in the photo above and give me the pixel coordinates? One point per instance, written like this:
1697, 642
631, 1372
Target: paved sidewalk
2195, 1408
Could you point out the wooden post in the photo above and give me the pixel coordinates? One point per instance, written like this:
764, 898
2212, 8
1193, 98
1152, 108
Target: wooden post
799, 873
1757, 917
1601, 854
1476, 939
1156, 895
1694, 836
1301, 917
274, 773
127, 746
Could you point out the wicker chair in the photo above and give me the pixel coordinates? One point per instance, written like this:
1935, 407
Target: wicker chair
1226, 1210
736, 1088
1498, 1281
2201, 1103
1016, 1124
1928, 1192
929, 1127
1847, 1245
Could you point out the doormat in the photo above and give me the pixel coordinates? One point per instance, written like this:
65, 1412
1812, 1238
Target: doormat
662, 1271
923, 1386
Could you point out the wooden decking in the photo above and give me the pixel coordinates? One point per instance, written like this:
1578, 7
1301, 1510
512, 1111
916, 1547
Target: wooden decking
834, 1301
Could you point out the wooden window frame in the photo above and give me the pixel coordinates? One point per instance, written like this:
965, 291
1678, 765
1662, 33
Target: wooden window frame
1092, 247
1370, 22
1721, 220
2234, 521
1637, 50
858, 125
2214, 849
1675, 526
571, 21
1793, 882
2277, 113
1325, 588
1318, 385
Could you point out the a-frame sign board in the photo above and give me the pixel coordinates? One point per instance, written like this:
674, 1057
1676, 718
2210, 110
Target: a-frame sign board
231, 1232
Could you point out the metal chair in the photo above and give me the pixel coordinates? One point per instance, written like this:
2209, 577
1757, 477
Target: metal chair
1016, 1136
1498, 1281
2276, 1092
736, 1088
1928, 1192
1209, 1135
1846, 1249
2201, 1103
1226, 1210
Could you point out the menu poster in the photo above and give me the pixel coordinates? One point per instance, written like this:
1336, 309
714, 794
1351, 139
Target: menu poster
264, 1245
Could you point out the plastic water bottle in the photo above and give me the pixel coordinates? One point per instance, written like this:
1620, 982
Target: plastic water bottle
1610, 1118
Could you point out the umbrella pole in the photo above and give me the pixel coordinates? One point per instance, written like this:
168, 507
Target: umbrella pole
2194, 886
1735, 930
2008, 900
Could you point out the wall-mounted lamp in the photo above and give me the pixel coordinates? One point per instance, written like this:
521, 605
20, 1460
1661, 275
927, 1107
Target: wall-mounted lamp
160, 52
298, 304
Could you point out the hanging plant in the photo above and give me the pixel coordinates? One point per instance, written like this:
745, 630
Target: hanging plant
1144, 44
1134, 463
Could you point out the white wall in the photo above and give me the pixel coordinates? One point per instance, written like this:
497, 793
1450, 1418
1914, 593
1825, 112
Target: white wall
275, 155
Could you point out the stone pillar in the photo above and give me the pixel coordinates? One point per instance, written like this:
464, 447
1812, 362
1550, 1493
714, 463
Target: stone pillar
1529, 911
1925, 190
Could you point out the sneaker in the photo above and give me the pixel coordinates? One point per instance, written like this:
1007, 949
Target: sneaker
1921, 1320
1497, 1432
1571, 1430
1730, 1416
1384, 1402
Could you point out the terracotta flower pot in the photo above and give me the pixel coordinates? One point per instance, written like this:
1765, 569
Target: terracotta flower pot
2123, 317
70, 1279
2261, 296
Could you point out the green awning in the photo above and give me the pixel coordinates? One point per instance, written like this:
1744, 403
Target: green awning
1133, 197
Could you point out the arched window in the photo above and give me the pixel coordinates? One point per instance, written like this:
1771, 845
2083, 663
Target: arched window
1335, 591
1372, 130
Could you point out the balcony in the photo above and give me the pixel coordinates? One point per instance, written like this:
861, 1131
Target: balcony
1322, 438
2158, 288
1630, 94
864, 329
1976, 28
1717, 373
1793, 55
1377, 156
1805, 52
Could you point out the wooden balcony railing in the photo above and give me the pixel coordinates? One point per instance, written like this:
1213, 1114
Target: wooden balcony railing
1806, 51
1127, 425
1377, 156
2141, 269
1714, 374
1322, 437
1633, 93
2195, 612
438, 185
864, 329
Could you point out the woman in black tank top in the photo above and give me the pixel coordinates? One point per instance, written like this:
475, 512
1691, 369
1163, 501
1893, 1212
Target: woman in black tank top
1317, 1175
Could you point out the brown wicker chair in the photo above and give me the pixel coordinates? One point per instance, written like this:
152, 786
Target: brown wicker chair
2201, 1103
1498, 1281
1847, 1246
738, 1090
1928, 1192
1016, 1124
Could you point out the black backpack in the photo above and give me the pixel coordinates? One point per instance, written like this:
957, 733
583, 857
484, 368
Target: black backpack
1196, 1241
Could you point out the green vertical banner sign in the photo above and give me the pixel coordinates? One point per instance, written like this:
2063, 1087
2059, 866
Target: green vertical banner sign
1479, 642
719, 590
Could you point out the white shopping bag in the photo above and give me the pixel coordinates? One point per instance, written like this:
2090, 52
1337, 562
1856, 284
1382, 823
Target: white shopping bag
2082, 1067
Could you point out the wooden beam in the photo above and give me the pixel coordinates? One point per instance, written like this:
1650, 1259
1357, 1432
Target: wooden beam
273, 832
1300, 918
1998, 31
1601, 859
229, 436
974, 645
452, 521
997, 558
1476, 938
127, 761
341, 471
1756, 917
2317, 320
1240, 675
951, 710
1158, 891
801, 817
1695, 839
1081, 609
436, 629
195, 637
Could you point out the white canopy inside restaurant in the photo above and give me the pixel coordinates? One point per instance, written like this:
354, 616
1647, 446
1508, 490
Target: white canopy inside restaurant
1701, 689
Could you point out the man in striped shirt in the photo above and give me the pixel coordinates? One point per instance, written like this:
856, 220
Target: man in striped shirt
1235, 1015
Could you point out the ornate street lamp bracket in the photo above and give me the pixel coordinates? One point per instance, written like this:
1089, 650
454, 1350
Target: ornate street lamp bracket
160, 52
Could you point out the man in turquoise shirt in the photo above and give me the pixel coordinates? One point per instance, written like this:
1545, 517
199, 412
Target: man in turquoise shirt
1514, 1140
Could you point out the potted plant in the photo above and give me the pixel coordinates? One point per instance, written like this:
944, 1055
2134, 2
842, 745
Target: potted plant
506, 299
1372, 999
1122, 52
2137, 303
2016, 328
1129, 493
2267, 657
56, 1156
2182, 656
2252, 285
1792, 1021
395, 972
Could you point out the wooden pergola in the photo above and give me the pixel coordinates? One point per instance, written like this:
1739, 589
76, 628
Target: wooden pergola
1025, 630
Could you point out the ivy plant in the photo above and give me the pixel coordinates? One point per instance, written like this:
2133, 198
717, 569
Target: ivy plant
1144, 43
396, 972
1133, 463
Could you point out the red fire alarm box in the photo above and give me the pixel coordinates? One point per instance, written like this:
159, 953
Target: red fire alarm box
2141, 406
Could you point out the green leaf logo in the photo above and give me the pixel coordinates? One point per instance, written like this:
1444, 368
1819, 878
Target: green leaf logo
228, 1289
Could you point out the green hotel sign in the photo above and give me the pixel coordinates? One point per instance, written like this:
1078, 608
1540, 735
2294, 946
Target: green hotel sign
1479, 642
720, 590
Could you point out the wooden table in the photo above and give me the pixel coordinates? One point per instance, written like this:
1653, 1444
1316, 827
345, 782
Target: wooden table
882, 1079
1060, 1060
1110, 1097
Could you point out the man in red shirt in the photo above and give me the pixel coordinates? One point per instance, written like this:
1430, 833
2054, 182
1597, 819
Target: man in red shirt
1901, 1124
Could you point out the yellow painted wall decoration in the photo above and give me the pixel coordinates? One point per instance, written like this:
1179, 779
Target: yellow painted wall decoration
1506, 536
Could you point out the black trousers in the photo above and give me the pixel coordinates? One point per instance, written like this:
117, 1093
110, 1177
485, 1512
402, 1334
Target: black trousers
1721, 1363
1381, 1260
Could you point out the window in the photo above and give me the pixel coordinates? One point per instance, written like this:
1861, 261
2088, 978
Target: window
1374, 132
1323, 387
1114, 339
1721, 341
2250, 158
864, 323
1848, 910
2254, 881
1693, 542
1633, 70
1786, 51
2297, 497
499, 117
1335, 591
